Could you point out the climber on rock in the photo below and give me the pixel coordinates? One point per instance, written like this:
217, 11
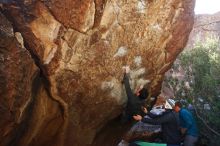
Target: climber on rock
135, 100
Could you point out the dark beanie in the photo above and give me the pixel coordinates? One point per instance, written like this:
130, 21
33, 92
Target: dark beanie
143, 93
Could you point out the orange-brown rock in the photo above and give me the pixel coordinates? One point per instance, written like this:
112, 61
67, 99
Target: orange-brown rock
17, 72
80, 48
26, 109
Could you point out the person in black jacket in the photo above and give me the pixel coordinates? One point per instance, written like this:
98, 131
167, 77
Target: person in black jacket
170, 126
135, 100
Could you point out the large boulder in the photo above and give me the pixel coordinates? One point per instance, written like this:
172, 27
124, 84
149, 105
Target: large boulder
26, 109
80, 48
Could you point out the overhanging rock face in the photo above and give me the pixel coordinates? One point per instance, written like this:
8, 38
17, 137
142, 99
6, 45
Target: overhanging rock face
80, 48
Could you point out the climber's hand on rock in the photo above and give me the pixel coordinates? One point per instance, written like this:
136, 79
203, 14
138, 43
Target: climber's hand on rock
126, 69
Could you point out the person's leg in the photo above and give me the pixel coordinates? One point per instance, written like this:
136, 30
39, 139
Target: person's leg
190, 140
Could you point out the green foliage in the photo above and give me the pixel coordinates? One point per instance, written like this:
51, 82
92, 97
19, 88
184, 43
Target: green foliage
201, 66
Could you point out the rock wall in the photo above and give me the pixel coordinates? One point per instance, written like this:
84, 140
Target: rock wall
69, 76
27, 111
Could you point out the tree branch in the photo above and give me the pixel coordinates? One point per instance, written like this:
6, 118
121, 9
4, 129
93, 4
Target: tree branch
204, 122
